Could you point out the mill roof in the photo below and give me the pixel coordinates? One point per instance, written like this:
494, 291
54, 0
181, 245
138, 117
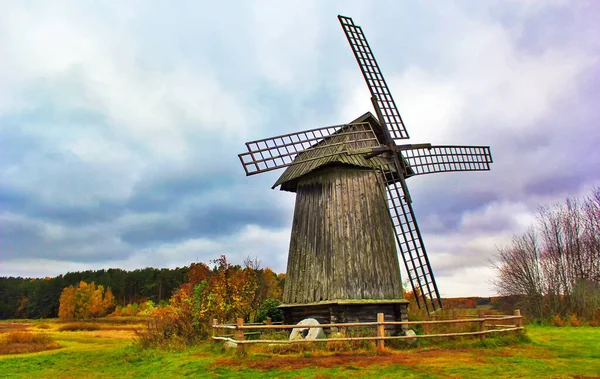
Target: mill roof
331, 153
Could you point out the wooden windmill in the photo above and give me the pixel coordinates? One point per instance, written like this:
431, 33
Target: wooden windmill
343, 263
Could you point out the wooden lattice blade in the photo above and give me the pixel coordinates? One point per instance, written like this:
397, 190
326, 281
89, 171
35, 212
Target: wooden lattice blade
285, 150
410, 243
429, 160
388, 112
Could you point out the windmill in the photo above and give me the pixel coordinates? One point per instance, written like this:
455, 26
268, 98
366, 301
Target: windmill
353, 209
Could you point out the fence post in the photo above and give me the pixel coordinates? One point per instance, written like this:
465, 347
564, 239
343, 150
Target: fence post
269, 321
517, 312
240, 334
214, 323
380, 331
482, 324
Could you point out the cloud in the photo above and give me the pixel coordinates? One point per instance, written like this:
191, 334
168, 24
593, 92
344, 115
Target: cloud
120, 123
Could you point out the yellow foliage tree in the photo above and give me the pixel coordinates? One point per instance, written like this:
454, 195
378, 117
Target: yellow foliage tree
66, 309
82, 300
108, 301
85, 301
271, 284
96, 303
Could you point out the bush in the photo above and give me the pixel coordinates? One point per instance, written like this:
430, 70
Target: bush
75, 326
269, 309
573, 320
557, 321
26, 337
175, 326
26, 342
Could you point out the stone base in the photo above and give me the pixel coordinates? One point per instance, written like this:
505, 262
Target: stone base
346, 311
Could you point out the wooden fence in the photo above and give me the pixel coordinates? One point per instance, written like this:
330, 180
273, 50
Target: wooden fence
239, 330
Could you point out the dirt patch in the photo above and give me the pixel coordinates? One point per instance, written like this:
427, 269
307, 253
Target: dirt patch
430, 358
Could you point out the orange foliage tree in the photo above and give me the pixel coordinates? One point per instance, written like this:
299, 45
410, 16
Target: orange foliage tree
66, 310
84, 301
225, 293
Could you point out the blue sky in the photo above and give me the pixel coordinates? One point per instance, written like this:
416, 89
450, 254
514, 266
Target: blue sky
120, 123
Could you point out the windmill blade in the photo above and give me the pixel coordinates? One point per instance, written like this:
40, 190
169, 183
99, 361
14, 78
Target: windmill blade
429, 160
384, 103
410, 242
281, 151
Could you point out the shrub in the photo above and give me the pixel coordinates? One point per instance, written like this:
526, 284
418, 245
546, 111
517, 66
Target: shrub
26, 337
269, 309
573, 320
75, 326
557, 321
26, 342
174, 326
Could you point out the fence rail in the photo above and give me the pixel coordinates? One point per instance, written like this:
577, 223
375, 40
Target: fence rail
380, 324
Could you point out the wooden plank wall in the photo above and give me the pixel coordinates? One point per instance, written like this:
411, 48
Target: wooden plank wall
342, 243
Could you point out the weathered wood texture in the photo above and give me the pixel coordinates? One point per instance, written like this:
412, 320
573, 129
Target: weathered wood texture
334, 149
342, 244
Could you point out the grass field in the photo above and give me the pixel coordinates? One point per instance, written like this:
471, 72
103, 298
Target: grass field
108, 352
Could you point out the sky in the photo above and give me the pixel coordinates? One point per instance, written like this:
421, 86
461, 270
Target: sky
120, 123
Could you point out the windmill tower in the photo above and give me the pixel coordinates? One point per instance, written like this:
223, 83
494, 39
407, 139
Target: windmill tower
353, 209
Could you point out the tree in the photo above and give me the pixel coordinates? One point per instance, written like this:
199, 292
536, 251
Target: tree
66, 310
96, 302
108, 301
555, 266
85, 301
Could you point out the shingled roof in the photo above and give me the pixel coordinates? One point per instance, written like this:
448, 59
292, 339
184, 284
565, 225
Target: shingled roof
335, 154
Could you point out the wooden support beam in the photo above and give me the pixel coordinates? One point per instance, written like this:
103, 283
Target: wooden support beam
482, 324
215, 322
380, 331
240, 335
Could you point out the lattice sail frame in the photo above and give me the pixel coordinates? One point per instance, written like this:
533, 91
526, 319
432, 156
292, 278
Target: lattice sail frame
276, 152
385, 105
408, 238
444, 158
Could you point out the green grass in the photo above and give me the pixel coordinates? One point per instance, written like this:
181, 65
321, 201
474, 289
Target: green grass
552, 353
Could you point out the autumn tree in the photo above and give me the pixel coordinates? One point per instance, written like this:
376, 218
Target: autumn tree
84, 301
109, 301
66, 310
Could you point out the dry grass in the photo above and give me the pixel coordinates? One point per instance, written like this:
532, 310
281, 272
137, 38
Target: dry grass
12, 326
129, 320
44, 326
25, 342
76, 326
109, 333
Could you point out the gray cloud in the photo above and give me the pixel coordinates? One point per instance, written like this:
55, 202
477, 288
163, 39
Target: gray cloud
121, 123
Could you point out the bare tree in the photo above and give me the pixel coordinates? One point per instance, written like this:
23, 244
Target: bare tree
519, 272
555, 265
